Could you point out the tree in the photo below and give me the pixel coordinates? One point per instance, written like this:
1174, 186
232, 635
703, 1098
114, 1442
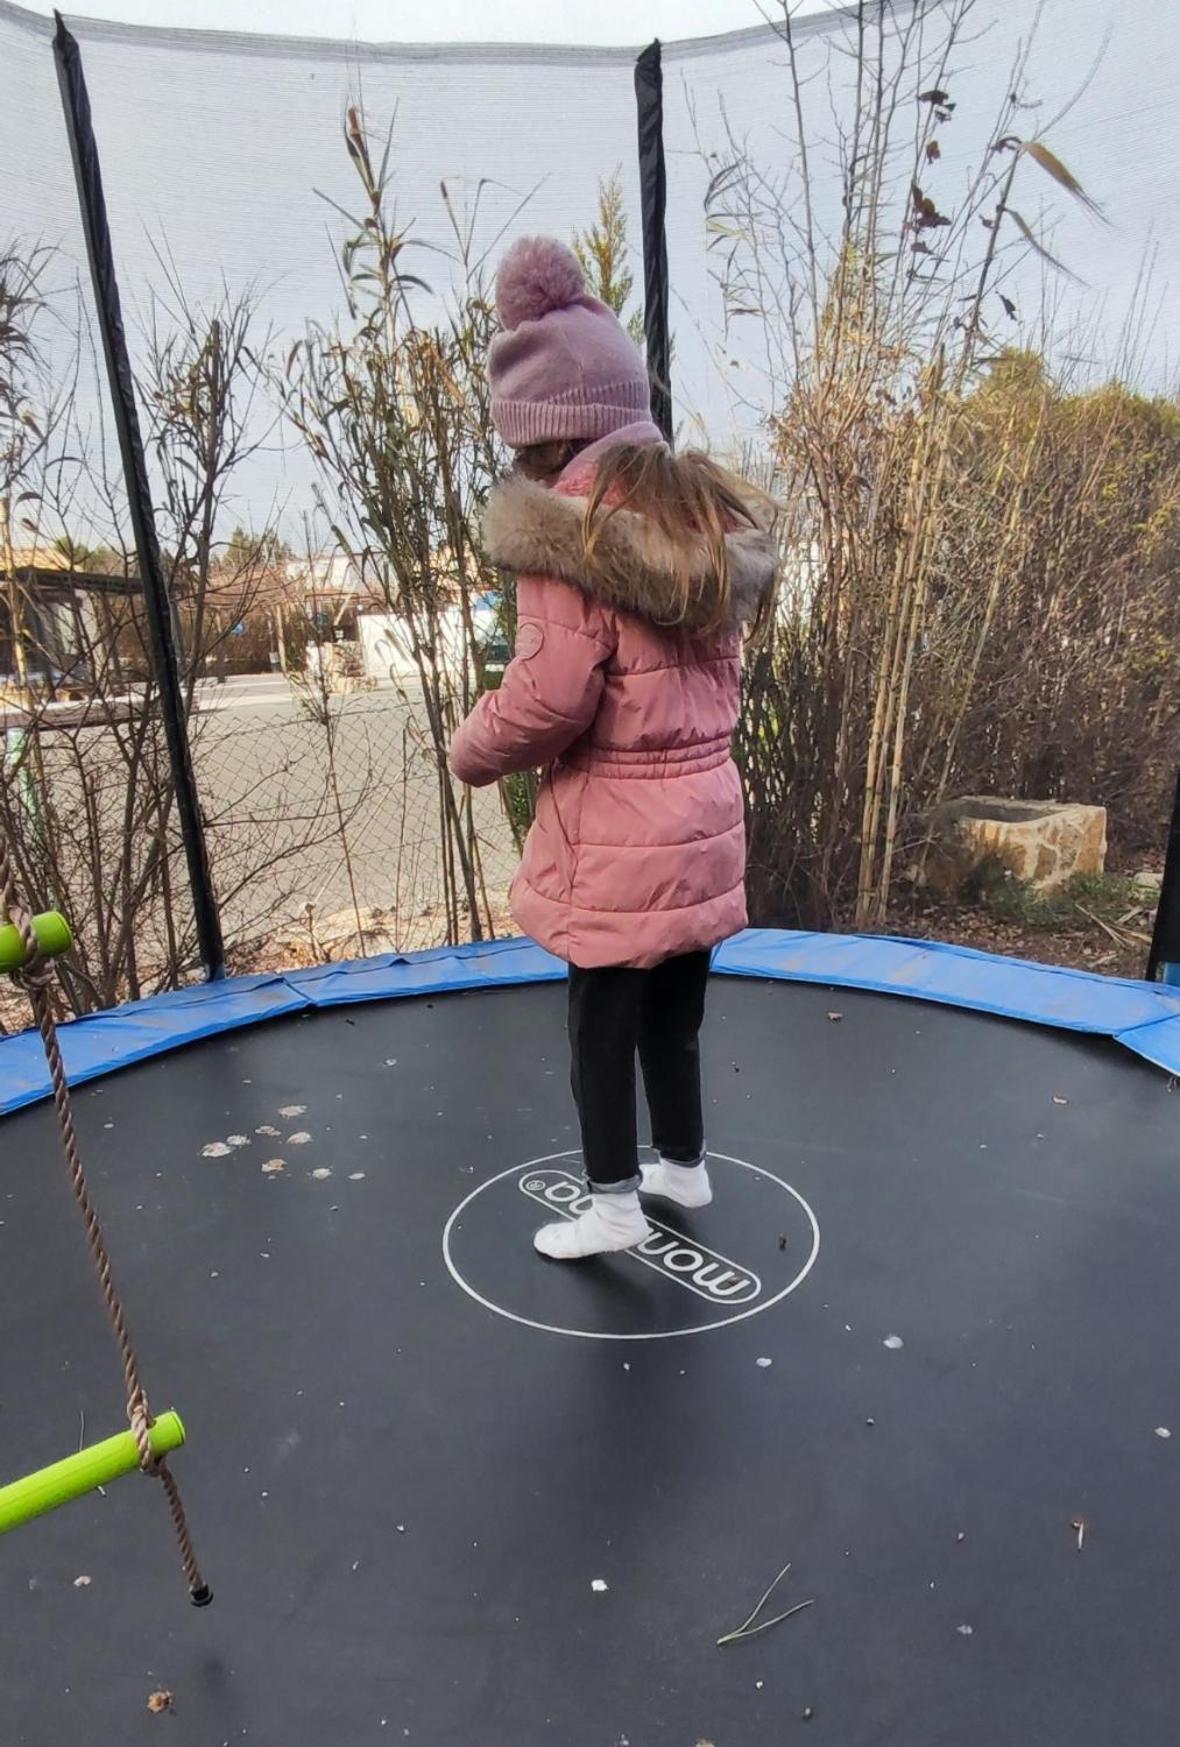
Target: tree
397, 416
602, 253
933, 533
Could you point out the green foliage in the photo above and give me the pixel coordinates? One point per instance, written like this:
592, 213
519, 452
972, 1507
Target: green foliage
1066, 506
1107, 897
97, 560
602, 252
396, 414
519, 796
244, 550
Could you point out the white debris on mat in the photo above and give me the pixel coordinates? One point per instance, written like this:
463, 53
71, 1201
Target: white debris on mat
268, 1130
965, 1631
599, 1585
82, 1582
320, 1173
236, 1140
292, 1109
894, 1343
1162, 1432
764, 1364
216, 1149
300, 1138
272, 1166
356, 1176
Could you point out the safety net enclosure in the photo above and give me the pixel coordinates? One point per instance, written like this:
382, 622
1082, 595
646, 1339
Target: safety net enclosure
844, 233
245, 158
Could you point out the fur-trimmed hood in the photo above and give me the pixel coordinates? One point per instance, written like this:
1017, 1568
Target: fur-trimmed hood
531, 529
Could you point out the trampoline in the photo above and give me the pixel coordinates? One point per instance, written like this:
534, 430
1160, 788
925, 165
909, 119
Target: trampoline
448, 1493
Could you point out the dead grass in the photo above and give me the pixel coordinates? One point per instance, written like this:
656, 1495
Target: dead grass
1095, 923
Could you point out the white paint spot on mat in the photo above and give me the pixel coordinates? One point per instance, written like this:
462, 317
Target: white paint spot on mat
292, 1109
894, 1343
216, 1149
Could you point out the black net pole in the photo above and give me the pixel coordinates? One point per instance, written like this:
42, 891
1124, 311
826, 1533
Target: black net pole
653, 187
1165, 939
88, 175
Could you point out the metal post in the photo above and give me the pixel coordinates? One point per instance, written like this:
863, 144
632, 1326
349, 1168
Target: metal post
88, 175
653, 188
1163, 964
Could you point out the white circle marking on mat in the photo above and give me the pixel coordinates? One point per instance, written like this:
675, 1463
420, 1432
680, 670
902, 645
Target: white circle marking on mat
557, 1194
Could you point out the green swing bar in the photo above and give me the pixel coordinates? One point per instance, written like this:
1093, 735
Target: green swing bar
97, 1465
74, 1476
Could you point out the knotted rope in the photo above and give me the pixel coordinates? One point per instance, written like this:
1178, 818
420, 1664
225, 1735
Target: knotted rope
36, 978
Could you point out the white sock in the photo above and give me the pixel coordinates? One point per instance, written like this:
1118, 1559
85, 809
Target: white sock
686, 1185
609, 1224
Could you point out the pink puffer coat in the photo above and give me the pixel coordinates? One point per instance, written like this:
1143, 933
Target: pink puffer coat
638, 847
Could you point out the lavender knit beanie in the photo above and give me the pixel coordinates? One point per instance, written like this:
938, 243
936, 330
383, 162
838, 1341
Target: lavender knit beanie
564, 367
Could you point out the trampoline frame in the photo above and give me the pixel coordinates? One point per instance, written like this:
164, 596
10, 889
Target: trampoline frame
1143, 1017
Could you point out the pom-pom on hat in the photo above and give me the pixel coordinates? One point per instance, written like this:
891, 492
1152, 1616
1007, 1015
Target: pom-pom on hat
564, 368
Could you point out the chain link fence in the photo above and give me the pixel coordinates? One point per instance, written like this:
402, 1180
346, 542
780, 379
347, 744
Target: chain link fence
324, 830
322, 824
978, 459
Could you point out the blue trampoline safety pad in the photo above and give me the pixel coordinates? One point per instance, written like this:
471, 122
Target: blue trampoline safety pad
494, 963
122, 1036
1144, 1017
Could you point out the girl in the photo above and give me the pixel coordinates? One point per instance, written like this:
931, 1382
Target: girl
637, 573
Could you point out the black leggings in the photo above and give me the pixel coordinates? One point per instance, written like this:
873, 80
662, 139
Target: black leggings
612, 1013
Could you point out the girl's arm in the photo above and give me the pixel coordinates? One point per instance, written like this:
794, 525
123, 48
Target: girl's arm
550, 690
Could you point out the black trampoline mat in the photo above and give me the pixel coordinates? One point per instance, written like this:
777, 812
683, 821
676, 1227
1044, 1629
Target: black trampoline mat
405, 1499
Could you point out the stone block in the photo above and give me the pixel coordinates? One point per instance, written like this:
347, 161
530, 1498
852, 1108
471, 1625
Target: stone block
1042, 844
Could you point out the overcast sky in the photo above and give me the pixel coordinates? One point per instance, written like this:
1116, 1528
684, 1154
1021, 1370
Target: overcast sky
568, 21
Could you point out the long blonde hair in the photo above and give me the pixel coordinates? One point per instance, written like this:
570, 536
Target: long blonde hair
692, 503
